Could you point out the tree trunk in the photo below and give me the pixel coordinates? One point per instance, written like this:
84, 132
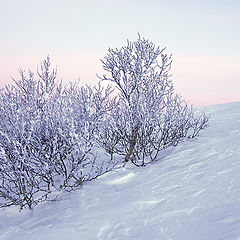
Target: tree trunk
132, 144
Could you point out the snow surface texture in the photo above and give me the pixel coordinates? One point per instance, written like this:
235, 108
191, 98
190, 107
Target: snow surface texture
192, 193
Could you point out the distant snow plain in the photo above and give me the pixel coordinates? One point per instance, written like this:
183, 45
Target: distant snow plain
191, 193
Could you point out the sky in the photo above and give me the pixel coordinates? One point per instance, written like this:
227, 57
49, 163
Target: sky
202, 36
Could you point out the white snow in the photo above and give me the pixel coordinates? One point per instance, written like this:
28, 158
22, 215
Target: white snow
192, 193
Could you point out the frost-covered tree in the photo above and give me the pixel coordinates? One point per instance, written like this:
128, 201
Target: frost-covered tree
149, 116
48, 136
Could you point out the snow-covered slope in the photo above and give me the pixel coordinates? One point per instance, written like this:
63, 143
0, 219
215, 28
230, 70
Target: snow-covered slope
192, 193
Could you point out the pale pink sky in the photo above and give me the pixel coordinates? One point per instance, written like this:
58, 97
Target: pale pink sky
203, 37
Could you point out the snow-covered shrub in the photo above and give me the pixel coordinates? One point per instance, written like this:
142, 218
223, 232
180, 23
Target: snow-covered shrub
20, 115
149, 116
47, 137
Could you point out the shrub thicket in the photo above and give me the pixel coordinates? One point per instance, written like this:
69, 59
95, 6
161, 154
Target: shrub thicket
51, 135
47, 137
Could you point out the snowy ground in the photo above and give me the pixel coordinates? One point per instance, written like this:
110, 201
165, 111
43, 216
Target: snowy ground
193, 193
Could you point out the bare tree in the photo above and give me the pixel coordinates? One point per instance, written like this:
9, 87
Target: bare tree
149, 116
